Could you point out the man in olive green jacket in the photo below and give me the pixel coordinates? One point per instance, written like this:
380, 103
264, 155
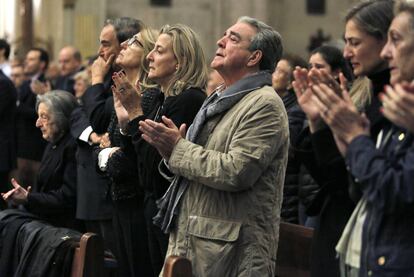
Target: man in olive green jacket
223, 208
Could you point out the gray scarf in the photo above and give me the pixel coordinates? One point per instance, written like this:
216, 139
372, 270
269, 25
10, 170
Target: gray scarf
214, 105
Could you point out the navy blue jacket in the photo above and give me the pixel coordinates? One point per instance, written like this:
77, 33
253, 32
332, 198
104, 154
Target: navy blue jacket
386, 177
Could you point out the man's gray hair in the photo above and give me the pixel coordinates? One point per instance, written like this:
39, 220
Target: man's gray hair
60, 105
267, 40
125, 27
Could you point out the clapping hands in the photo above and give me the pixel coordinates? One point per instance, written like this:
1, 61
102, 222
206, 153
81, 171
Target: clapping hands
323, 99
126, 96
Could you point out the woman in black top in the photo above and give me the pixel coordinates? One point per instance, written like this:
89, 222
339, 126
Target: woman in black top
178, 66
53, 197
365, 34
118, 160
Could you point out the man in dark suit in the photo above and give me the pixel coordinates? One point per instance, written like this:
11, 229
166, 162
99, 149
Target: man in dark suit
8, 96
30, 144
90, 122
93, 205
70, 63
17, 75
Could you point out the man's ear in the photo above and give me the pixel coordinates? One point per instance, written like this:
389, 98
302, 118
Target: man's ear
255, 58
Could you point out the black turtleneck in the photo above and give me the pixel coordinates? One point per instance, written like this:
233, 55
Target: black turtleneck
378, 80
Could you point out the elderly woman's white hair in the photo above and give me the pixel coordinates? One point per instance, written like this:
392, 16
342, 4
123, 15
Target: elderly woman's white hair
60, 105
83, 75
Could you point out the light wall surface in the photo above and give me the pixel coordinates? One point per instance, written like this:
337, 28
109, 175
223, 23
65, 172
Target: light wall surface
57, 25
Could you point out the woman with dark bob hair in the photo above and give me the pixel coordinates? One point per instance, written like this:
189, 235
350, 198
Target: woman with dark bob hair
53, 197
332, 60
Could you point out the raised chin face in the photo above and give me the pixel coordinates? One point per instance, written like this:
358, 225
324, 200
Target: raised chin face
217, 62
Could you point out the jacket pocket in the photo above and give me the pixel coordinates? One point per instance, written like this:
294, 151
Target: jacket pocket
213, 246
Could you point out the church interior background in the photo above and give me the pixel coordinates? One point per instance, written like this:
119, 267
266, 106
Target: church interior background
53, 24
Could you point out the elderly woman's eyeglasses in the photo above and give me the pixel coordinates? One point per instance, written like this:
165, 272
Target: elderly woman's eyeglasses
134, 41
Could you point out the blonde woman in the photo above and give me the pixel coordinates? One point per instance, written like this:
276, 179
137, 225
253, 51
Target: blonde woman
82, 82
118, 161
177, 65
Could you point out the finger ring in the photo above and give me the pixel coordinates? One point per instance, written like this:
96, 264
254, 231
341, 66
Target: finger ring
121, 89
401, 113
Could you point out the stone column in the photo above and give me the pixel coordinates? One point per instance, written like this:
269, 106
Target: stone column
26, 13
69, 21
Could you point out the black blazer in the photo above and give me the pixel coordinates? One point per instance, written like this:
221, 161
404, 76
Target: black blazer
53, 197
8, 96
99, 104
93, 200
180, 109
65, 83
30, 144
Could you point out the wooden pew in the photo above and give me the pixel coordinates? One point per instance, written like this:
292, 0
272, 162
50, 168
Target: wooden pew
293, 255
88, 258
176, 266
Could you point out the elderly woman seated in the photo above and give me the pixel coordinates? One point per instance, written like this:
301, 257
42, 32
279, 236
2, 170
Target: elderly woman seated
53, 197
